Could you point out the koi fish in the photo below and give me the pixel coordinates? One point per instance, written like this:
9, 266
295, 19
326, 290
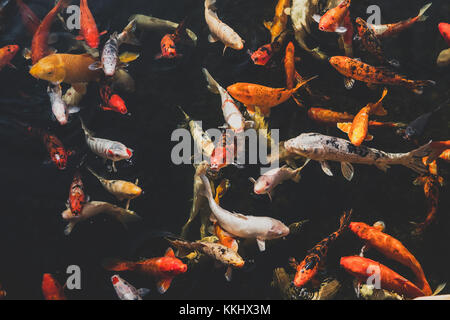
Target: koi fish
278, 25
169, 41
198, 201
357, 130
242, 226
202, 139
363, 268
224, 153
231, 113
347, 38
272, 178
391, 248
321, 148
77, 198
159, 25
29, 19
265, 53
3, 292
255, 95
438, 148
7, 53
219, 30
110, 60
107, 149
445, 155
88, 27
122, 190
332, 118
388, 30
444, 29
164, 269
60, 109
126, 291
417, 127
332, 20
54, 146
112, 102
357, 70
72, 97
39, 44
51, 289
68, 68
309, 267
93, 208
372, 44
289, 65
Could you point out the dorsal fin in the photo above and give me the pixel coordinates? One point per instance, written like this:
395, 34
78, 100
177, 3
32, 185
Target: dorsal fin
169, 253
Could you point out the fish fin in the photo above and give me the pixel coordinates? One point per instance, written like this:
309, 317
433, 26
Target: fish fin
26, 53
347, 170
103, 33
68, 229
418, 85
74, 109
158, 56
420, 181
340, 30
228, 274
117, 265
224, 49
169, 253
349, 83
212, 86
439, 289
344, 126
269, 194
268, 25
382, 166
127, 57
261, 244
394, 62
143, 291
79, 37
326, 168
377, 108
212, 39
287, 11
368, 137
413, 159
422, 11
252, 180
163, 285
12, 66
317, 17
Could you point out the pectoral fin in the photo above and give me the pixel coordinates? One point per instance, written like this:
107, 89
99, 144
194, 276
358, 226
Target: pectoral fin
349, 83
369, 137
128, 57
382, 166
228, 274
261, 244
326, 168
347, 170
344, 126
212, 39
143, 292
317, 18
163, 285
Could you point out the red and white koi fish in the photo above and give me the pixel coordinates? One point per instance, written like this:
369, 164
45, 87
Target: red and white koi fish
169, 43
126, 291
77, 198
107, 149
231, 113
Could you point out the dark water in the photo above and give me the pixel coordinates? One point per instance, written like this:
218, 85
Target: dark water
34, 194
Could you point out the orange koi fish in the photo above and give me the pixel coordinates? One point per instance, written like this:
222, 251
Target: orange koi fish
438, 148
332, 20
289, 65
445, 155
169, 41
363, 268
255, 95
7, 53
444, 29
39, 44
388, 30
77, 198
224, 152
308, 268
357, 70
51, 289
357, 130
55, 148
278, 25
88, 30
164, 269
29, 19
391, 248
112, 102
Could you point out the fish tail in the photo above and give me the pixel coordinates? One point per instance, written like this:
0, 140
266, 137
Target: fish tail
421, 16
302, 83
212, 86
413, 159
95, 174
87, 132
210, 4
379, 110
345, 220
68, 229
62, 4
418, 85
126, 216
117, 265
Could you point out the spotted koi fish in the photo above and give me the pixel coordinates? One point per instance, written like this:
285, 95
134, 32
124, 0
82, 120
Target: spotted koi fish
322, 148
126, 291
107, 149
55, 148
225, 152
77, 197
169, 42
308, 268
357, 70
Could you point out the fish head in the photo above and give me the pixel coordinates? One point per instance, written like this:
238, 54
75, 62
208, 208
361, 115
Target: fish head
117, 103
236, 123
262, 185
300, 145
218, 158
115, 279
172, 266
306, 270
48, 69
359, 229
262, 56
240, 92
59, 158
133, 190
357, 266
119, 152
168, 48
277, 230
409, 133
11, 51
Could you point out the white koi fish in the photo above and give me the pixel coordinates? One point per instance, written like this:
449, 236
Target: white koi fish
247, 227
93, 208
231, 113
316, 146
219, 30
59, 108
126, 291
107, 149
